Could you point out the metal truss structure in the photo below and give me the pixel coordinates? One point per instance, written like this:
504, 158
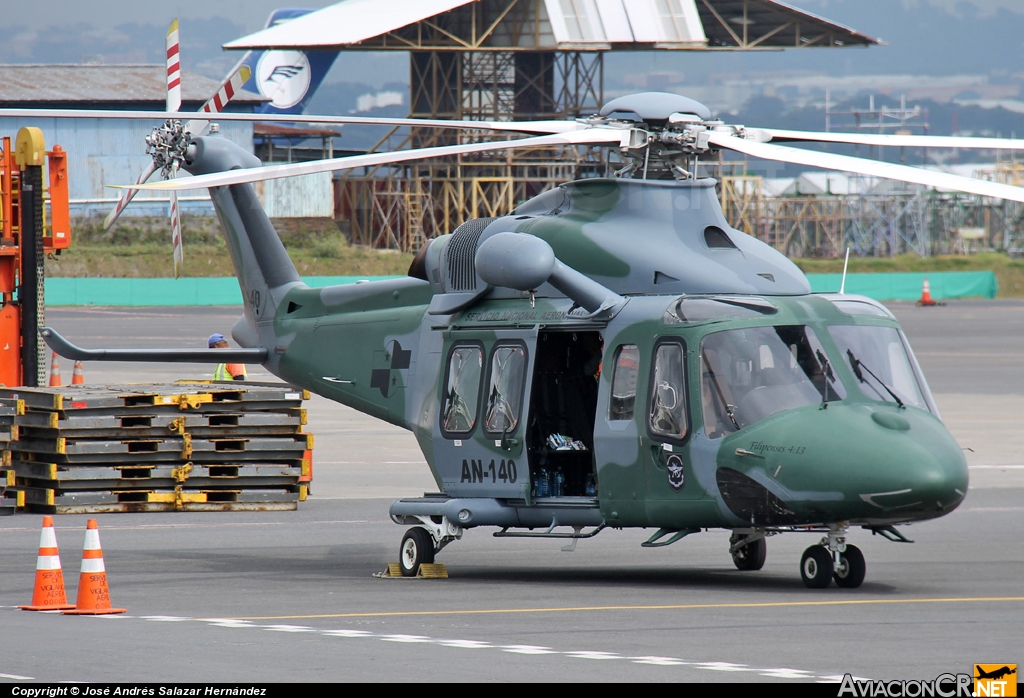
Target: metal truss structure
908, 220
401, 207
514, 60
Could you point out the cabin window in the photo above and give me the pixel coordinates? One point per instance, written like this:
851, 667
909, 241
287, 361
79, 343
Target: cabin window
883, 361
505, 389
627, 362
668, 394
750, 374
462, 389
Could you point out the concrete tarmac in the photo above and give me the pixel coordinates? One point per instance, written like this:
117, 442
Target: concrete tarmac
289, 596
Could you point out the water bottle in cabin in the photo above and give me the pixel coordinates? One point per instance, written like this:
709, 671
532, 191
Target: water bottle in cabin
543, 486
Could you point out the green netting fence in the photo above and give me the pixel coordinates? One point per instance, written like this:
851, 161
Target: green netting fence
224, 291
907, 286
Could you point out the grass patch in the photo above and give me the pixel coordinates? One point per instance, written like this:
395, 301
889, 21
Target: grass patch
155, 261
140, 247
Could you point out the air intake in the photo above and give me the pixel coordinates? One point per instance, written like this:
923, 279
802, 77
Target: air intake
461, 254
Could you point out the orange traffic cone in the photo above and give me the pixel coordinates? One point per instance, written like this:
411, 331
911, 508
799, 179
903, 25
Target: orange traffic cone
78, 377
93, 595
926, 295
54, 371
49, 593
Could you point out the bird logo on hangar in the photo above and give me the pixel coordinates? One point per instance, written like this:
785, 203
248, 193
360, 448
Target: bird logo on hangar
386, 375
284, 77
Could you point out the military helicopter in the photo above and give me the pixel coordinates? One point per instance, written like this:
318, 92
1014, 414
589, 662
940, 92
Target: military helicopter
611, 353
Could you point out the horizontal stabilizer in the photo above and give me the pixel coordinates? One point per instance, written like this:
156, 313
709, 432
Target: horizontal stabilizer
206, 356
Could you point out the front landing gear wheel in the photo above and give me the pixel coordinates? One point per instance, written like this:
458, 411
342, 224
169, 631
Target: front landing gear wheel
816, 567
850, 572
750, 557
417, 549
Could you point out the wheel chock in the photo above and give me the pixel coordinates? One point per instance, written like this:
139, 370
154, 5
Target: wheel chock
432, 571
426, 571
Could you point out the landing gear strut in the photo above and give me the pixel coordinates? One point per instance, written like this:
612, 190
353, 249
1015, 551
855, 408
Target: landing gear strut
748, 550
833, 559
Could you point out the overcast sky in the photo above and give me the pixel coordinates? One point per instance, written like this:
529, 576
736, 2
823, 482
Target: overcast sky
253, 13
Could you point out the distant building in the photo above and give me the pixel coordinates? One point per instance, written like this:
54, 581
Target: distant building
103, 152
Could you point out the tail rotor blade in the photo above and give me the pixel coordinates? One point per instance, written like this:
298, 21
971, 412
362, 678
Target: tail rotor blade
231, 87
173, 69
128, 196
176, 242
179, 250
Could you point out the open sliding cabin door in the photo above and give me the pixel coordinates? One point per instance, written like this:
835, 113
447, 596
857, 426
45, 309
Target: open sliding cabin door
563, 406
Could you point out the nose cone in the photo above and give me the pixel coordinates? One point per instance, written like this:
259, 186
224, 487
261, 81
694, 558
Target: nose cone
858, 463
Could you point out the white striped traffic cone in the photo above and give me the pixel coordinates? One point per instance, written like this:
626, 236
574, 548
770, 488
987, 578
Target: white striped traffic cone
78, 377
93, 595
54, 371
49, 594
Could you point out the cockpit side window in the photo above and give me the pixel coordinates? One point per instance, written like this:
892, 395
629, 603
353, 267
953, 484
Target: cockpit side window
627, 363
667, 416
878, 357
505, 389
462, 389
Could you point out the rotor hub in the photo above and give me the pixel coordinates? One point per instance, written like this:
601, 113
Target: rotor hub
669, 134
167, 145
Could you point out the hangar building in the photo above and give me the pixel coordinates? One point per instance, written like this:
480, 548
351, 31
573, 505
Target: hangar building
102, 152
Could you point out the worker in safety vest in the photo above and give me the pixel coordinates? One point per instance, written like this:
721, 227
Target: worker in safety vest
226, 372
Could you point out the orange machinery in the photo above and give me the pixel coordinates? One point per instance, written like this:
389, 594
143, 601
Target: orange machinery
29, 230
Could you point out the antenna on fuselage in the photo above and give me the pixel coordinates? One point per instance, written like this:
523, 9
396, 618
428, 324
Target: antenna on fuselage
842, 285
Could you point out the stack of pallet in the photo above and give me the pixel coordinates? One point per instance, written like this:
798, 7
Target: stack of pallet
10, 410
189, 446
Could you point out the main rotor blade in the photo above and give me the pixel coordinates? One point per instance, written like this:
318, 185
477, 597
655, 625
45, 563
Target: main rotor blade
895, 140
516, 126
173, 68
595, 136
231, 87
874, 168
123, 202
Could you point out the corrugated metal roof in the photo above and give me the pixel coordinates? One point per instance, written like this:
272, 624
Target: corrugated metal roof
567, 23
731, 23
262, 129
348, 22
57, 83
625, 21
558, 25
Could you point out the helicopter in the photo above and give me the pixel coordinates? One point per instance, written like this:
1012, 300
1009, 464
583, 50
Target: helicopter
611, 353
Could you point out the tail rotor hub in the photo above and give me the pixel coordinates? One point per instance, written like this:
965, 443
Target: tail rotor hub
168, 145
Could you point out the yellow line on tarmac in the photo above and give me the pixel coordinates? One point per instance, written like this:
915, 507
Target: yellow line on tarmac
674, 607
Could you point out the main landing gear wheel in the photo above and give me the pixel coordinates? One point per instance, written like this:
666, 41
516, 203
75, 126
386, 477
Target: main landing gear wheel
816, 567
750, 557
850, 572
417, 549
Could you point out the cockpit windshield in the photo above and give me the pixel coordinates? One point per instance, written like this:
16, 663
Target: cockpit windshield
879, 359
750, 374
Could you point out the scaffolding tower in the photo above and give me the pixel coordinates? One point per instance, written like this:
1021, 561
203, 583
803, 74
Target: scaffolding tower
513, 60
